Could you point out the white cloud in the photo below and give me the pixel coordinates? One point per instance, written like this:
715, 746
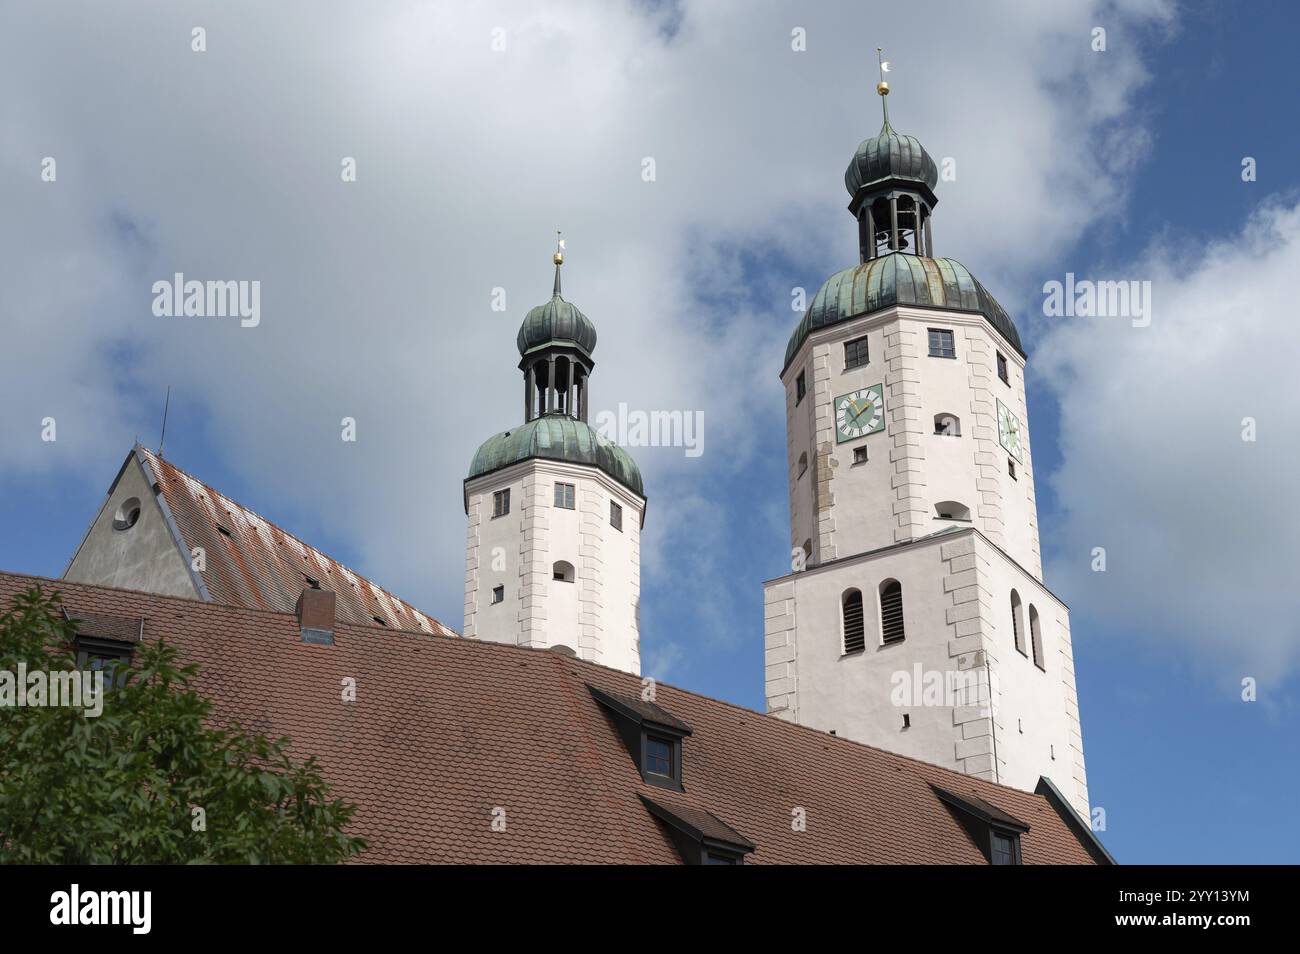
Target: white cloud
1198, 525
375, 295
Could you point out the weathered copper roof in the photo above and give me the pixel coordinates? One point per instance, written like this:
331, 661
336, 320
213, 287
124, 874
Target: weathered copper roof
256, 564
449, 729
557, 321
890, 155
900, 279
557, 437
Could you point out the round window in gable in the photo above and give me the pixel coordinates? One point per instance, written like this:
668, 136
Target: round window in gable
127, 514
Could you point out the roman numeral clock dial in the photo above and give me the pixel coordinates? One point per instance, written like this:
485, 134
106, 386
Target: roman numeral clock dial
1009, 432
859, 413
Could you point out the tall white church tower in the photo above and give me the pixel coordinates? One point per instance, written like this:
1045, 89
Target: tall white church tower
916, 618
553, 553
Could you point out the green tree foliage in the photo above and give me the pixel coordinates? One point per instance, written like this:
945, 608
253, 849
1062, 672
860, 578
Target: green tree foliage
123, 787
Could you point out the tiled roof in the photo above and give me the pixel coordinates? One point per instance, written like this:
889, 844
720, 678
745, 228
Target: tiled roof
445, 732
260, 566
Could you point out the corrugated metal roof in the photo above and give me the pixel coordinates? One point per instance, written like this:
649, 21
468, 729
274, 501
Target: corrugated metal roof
252, 562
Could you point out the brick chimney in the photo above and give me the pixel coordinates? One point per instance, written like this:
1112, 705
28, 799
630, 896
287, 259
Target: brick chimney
316, 616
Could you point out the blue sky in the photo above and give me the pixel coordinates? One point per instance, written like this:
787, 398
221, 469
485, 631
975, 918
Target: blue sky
690, 288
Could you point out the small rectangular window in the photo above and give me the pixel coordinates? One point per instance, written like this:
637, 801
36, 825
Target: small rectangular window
658, 756
564, 496
1006, 849
1002, 368
501, 503
1011, 468
616, 516
498, 594
860, 455
941, 343
800, 387
94, 655
855, 353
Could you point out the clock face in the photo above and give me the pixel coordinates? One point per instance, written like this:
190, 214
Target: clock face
859, 413
1009, 432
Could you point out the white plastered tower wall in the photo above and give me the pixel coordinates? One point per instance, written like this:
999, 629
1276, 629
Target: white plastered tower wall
873, 521
596, 613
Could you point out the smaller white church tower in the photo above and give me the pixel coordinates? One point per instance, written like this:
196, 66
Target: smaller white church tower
553, 550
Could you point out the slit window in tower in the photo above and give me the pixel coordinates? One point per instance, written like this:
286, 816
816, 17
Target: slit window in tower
941, 343
800, 387
891, 612
1002, 368
501, 503
616, 516
564, 496
855, 353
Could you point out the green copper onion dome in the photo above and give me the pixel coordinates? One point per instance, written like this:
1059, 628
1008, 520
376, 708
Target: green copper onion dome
890, 155
557, 437
900, 279
556, 322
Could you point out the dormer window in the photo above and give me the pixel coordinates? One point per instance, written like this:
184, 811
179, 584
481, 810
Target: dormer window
995, 833
105, 643
652, 734
659, 756
701, 837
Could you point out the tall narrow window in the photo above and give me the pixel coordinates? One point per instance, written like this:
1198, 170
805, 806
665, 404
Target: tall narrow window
616, 516
1002, 368
803, 465
564, 496
501, 503
800, 387
498, 594
1017, 627
941, 343
854, 637
1036, 638
855, 353
891, 612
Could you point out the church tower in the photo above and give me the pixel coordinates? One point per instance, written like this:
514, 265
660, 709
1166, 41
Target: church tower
915, 617
553, 551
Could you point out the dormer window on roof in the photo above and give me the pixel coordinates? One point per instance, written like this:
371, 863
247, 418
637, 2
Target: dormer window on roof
700, 836
652, 734
995, 833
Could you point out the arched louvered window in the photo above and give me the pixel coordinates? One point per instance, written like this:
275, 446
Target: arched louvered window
1017, 627
891, 612
855, 639
1036, 637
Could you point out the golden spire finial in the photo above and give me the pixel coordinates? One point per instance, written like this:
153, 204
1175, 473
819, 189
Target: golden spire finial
558, 258
883, 86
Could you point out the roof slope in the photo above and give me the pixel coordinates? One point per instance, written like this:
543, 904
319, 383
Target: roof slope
444, 731
259, 565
